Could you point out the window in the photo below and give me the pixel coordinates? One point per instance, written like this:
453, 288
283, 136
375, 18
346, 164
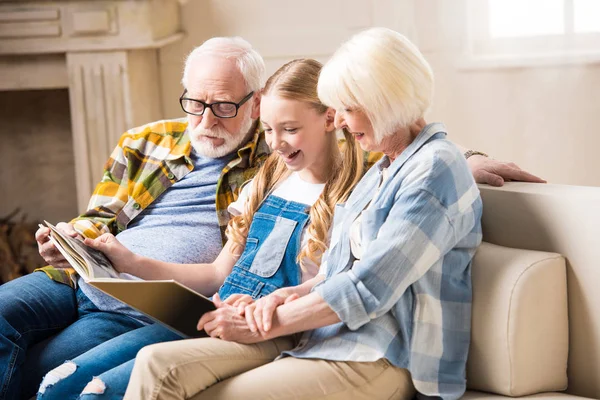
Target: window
522, 31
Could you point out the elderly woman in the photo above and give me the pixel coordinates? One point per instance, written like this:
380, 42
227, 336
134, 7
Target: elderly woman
390, 310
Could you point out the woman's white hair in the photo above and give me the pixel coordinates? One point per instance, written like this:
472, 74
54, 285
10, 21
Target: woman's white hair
382, 73
248, 61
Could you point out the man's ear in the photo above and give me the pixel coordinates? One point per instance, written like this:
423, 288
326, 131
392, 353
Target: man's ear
256, 106
329, 119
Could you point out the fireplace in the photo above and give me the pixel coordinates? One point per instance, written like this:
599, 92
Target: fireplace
74, 75
37, 166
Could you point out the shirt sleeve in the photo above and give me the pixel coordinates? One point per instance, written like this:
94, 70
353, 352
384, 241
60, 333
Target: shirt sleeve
237, 207
108, 198
414, 237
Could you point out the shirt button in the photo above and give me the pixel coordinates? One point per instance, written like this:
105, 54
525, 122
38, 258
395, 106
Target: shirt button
136, 206
170, 176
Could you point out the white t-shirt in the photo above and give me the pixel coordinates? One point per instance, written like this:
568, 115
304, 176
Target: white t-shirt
292, 189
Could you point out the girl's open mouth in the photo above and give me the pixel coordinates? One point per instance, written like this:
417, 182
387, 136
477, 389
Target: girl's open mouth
291, 156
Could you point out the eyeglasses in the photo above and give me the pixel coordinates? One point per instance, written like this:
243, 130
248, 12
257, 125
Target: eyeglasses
221, 109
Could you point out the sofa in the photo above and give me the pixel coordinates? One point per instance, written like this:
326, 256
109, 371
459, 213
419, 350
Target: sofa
536, 294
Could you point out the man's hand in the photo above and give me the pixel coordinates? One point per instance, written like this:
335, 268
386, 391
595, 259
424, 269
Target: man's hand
46, 248
495, 173
227, 324
259, 316
122, 259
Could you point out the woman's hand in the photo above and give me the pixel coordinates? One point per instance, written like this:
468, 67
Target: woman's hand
122, 259
259, 316
239, 301
227, 324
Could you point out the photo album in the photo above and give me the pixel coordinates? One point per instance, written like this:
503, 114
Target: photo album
166, 301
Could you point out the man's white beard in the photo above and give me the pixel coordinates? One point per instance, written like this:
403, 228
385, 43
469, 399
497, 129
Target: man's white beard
232, 142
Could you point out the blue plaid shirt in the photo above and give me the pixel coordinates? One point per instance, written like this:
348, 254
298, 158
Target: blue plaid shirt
408, 299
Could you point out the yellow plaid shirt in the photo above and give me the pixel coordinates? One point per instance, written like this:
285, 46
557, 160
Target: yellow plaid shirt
146, 162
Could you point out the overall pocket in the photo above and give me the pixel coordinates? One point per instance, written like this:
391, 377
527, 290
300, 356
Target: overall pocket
249, 251
243, 282
271, 251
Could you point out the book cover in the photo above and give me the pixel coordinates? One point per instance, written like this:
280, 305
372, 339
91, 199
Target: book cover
165, 301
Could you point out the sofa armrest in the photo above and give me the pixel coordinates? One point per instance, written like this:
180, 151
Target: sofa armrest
520, 338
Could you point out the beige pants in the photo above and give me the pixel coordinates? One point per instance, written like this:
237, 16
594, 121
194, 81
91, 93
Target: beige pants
209, 368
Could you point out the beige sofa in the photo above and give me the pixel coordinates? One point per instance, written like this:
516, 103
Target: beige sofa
536, 294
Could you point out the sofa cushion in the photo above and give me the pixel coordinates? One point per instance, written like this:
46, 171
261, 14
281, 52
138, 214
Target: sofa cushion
519, 343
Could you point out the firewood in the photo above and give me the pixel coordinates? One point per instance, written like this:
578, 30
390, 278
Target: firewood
18, 247
9, 268
11, 215
24, 246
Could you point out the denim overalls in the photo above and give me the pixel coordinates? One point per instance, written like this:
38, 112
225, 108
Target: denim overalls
272, 246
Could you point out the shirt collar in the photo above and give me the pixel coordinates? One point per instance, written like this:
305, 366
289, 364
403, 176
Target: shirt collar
254, 148
423, 137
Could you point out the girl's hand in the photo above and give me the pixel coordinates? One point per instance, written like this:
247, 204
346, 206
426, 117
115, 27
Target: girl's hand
239, 301
259, 316
122, 259
225, 323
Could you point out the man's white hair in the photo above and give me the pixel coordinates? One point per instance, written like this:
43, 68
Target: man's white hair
248, 61
382, 73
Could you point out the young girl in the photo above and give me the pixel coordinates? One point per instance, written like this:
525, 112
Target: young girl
276, 238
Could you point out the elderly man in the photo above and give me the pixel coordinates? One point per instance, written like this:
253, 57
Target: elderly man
158, 196
160, 190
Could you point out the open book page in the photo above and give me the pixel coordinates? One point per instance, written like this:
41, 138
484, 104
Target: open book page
89, 263
172, 304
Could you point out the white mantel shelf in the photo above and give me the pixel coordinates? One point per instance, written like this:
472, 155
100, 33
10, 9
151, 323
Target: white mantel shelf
105, 52
100, 25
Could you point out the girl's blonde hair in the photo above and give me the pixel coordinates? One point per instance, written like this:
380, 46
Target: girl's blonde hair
297, 80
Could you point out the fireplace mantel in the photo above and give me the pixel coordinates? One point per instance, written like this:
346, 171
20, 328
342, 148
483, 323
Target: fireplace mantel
105, 52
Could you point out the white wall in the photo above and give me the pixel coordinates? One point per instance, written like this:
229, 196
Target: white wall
280, 30
544, 118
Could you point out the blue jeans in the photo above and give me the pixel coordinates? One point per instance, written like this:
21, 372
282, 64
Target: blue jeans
42, 324
111, 362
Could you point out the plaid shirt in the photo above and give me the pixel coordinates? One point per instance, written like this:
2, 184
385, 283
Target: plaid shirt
147, 161
408, 299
